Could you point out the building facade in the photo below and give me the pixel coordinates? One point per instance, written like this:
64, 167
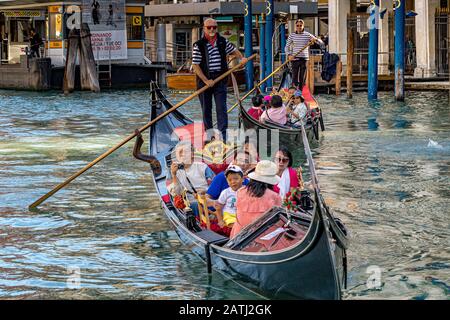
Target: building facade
183, 22
51, 19
426, 35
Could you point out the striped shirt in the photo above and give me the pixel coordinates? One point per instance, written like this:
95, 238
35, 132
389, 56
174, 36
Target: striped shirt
213, 53
296, 41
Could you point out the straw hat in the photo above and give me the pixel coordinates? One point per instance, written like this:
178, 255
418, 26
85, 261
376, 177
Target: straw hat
266, 171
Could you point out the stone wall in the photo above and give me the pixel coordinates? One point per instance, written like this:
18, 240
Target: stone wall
34, 75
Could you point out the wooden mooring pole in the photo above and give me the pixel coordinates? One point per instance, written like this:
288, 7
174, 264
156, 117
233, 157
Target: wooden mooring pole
338, 77
88, 71
71, 61
349, 62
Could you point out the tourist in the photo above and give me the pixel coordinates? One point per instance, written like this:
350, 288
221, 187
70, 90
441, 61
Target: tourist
295, 42
209, 61
257, 197
277, 111
35, 43
188, 175
298, 110
289, 178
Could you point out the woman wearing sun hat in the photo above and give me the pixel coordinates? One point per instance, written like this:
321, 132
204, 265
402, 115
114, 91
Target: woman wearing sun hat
258, 196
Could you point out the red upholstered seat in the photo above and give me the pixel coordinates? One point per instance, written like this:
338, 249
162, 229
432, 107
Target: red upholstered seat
193, 132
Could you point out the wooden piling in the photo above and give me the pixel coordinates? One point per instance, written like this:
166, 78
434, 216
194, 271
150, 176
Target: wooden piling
338, 77
88, 71
349, 63
71, 60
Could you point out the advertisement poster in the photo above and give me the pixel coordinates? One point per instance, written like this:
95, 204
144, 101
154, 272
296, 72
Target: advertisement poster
107, 21
230, 32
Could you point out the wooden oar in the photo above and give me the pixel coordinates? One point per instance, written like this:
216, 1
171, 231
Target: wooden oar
120, 144
267, 78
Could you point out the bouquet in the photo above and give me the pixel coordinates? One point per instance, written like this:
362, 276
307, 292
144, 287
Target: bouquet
298, 200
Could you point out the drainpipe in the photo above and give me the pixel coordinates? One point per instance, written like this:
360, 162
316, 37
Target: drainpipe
161, 54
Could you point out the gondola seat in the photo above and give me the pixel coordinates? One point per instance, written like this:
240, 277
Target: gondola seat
211, 237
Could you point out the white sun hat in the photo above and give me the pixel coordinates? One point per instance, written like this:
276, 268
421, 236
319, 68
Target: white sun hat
266, 171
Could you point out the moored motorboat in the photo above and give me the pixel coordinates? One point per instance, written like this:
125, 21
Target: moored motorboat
306, 260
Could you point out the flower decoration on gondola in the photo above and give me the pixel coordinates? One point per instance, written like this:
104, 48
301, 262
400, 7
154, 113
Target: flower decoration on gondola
298, 200
178, 201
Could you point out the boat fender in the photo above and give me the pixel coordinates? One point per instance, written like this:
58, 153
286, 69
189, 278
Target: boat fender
316, 130
322, 125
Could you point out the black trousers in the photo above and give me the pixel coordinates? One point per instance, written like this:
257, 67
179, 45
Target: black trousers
299, 72
219, 93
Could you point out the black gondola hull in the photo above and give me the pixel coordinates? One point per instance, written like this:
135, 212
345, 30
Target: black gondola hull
313, 268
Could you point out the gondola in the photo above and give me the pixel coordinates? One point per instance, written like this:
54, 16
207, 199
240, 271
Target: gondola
308, 263
288, 134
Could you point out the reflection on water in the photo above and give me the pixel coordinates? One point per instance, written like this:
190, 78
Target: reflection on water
374, 164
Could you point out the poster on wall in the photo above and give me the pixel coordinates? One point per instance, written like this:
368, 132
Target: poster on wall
230, 32
107, 22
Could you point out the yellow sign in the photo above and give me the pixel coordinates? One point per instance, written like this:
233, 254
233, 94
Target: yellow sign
22, 13
137, 21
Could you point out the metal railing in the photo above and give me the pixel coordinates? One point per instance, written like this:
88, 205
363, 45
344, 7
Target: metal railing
176, 54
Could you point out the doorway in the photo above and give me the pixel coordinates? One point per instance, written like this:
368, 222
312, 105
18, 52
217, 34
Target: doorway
182, 47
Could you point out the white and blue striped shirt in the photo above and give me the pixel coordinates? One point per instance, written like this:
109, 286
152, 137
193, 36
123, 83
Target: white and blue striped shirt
296, 41
213, 54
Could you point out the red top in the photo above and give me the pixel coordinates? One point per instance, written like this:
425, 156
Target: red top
255, 112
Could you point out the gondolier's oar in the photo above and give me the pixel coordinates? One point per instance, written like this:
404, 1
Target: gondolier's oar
268, 77
117, 146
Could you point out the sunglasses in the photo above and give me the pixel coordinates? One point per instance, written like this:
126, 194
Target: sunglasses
283, 160
211, 27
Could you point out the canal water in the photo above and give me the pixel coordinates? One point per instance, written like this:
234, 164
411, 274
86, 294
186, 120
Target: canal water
383, 167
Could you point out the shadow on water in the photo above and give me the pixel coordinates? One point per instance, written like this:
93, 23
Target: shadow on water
375, 168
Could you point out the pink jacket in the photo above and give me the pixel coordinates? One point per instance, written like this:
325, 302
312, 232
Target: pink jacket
277, 115
248, 208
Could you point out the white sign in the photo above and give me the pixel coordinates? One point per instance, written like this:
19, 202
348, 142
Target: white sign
107, 22
109, 44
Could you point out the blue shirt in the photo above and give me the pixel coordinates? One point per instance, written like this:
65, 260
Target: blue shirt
218, 184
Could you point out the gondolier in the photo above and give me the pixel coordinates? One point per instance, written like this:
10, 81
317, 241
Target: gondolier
209, 61
295, 42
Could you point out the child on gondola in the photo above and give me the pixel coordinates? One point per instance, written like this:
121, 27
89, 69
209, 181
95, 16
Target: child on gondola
258, 107
226, 204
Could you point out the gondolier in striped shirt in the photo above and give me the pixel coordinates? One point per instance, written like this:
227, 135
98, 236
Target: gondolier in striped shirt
209, 61
295, 42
